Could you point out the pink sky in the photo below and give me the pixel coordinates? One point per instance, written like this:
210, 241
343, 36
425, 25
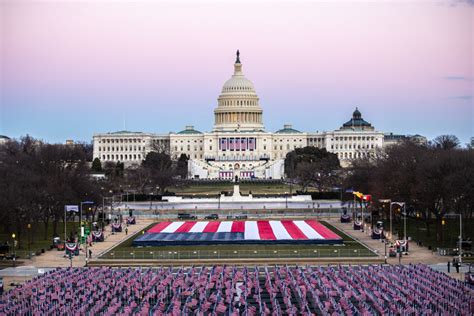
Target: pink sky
71, 69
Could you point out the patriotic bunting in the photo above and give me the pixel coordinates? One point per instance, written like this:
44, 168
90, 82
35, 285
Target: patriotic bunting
97, 236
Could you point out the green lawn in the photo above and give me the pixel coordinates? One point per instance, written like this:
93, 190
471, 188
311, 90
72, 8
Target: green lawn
36, 237
417, 230
255, 188
350, 248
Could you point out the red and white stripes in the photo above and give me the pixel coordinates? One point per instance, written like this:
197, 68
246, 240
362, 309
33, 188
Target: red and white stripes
253, 230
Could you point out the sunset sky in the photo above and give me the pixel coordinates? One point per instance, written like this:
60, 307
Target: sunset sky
69, 69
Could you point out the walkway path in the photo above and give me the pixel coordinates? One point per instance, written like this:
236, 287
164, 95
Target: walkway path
55, 258
416, 254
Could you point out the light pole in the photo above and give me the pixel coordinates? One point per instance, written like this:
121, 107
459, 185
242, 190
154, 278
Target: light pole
391, 229
65, 222
401, 204
80, 220
404, 223
29, 240
14, 253
151, 203
460, 237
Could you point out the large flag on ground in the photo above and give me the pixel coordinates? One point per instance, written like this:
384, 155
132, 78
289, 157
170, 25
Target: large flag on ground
221, 232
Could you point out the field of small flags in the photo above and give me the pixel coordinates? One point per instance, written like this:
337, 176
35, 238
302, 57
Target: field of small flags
230, 290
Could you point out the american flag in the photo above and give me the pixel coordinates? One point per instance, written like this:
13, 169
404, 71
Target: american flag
225, 144
251, 143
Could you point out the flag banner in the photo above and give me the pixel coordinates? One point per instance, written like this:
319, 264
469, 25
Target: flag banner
244, 144
72, 208
358, 194
72, 248
377, 233
251, 144
222, 232
131, 220
116, 227
224, 142
237, 143
97, 236
231, 144
357, 225
345, 218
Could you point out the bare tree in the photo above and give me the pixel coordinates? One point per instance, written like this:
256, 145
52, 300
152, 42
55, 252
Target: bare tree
446, 142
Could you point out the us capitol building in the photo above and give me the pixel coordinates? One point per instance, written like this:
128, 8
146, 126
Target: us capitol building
238, 144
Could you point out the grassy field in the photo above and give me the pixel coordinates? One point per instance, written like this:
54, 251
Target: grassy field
417, 230
350, 248
255, 188
36, 237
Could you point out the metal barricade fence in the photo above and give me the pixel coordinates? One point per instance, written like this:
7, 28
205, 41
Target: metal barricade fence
231, 254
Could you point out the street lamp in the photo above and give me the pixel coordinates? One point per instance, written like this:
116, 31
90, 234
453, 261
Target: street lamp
80, 220
14, 254
401, 204
29, 240
460, 237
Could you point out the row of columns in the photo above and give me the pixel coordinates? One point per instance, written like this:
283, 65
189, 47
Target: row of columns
238, 103
242, 117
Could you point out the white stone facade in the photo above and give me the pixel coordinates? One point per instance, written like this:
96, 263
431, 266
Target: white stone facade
127, 147
238, 144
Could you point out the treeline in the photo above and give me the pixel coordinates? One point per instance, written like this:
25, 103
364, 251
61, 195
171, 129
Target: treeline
37, 180
156, 174
313, 167
433, 180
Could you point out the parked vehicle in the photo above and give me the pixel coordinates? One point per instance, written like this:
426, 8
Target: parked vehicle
212, 216
186, 216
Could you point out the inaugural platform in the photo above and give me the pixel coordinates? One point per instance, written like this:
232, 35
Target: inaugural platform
240, 232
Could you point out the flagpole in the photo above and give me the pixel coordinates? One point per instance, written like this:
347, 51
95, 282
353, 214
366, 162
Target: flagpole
65, 225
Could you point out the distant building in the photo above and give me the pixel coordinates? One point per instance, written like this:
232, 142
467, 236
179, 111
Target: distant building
238, 144
393, 139
356, 138
4, 139
127, 147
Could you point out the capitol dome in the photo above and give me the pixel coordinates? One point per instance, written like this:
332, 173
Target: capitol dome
238, 83
238, 106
